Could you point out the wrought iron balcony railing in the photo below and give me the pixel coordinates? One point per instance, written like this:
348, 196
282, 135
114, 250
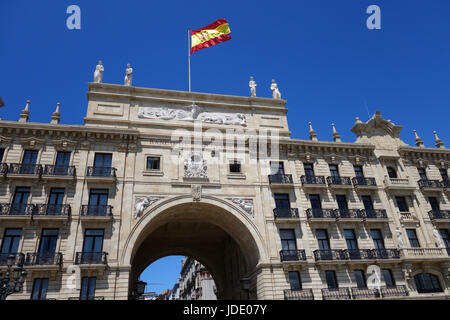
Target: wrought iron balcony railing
358, 254
96, 211
16, 209
3, 169
315, 213
107, 172
386, 253
445, 183
339, 181
365, 293
350, 214
429, 184
395, 291
439, 214
91, 258
63, 210
280, 178
44, 258
364, 182
300, 294
285, 213
317, 180
329, 255
19, 258
292, 255
375, 213
87, 298
23, 168
337, 293
54, 170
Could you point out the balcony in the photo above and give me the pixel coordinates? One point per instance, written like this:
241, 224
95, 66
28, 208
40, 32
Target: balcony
358, 254
321, 255
25, 170
325, 215
19, 258
313, 181
286, 214
364, 183
44, 259
280, 180
16, 211
96, 213
95, 258
59, 172
350, 215
424, 254
375, 214
87, 298
445, 183
385, 254
339, 182
292, 255
52, 212
300, 294
336, 294
395, 291
365, 293
439, 215
3, 169
398, 184
101, 174
430, 185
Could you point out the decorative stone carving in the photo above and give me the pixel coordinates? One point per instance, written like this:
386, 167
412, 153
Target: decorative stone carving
275, 92
398, 232
192, 113
437, 236
142, 203
252, 84
128, 75
244, 204
195, 166
196, 191
98, 73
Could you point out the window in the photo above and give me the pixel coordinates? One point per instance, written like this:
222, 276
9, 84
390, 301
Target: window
29, 161
350, 239
401, 204
330, 275
62, 163
434, 203
235, 166
288, 241
334, 171
309, 170
315, 201
276, 167
360, 279
422, 173
2, 152
102, 160
426, 283
88, 288
388, 278
153, 163
10, 243
342, 203
446, 237
322, 239
412, 237
358, 171
47, 247
295, 281
391, 172
282, 201
55, 201
443, 173
20, 200
377, 238
368, 204
98, 201
39, 291
92, 246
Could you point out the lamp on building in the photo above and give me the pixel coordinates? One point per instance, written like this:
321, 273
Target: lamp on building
140, 287
12, 285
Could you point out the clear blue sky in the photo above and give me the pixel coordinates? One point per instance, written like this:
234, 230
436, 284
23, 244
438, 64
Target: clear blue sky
326, 62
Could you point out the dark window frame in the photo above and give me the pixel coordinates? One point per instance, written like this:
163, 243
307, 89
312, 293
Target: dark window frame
153, 163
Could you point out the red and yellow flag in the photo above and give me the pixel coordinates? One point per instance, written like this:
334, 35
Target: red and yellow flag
214, 33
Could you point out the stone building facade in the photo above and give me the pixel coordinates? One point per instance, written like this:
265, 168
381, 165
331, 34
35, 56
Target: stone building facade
195, 283
88, 207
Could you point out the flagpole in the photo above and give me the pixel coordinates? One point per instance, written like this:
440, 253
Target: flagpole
189, 57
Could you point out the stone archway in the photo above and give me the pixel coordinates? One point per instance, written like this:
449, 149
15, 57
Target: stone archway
213, 231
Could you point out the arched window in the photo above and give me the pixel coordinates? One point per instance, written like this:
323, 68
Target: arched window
391, 172
426, 283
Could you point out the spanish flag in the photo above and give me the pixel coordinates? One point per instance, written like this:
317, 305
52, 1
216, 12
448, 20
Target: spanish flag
214, 33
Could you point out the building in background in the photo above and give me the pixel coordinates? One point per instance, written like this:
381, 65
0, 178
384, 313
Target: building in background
175, 292
196, 283
148, 296
165, 294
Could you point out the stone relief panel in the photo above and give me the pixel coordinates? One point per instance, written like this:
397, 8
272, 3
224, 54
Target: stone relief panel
195, 166
245, 204
142, 203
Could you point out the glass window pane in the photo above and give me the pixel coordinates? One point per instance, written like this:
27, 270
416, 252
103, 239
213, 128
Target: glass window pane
388, 278
294, 280
331, 279
360, 279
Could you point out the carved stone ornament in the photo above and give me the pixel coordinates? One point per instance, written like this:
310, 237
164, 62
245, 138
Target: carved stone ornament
196, 190
244, 204
195, 166
190, 113
142, 203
